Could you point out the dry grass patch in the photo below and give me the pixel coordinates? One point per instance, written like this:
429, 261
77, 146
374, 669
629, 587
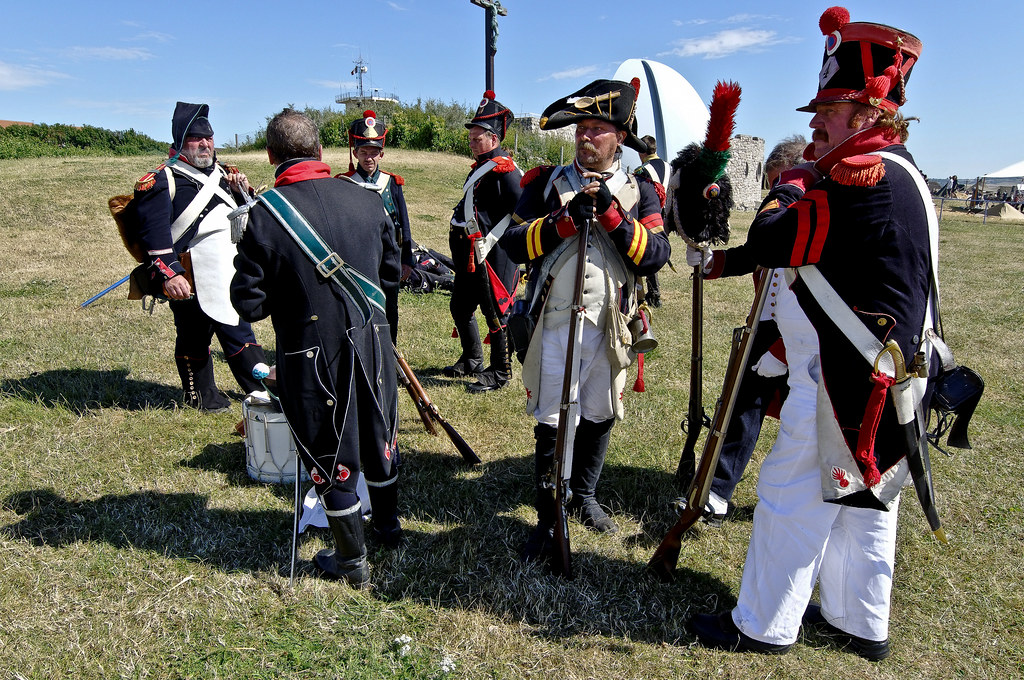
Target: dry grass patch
134, 545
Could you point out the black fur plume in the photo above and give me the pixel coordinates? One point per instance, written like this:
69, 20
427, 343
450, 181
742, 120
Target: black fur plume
699, 214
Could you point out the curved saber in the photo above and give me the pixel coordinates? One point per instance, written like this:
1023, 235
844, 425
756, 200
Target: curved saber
910, 421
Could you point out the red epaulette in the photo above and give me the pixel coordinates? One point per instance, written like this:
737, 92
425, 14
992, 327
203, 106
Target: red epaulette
146, 182
346, 174
858, 171
661, 193
398, 178
504, 164
532, 174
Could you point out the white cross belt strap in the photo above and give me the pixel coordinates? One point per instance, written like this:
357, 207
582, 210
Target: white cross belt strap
210, 185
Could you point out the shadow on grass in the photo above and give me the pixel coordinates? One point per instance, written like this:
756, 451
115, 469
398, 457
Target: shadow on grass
82, 390
464, 527
173, 524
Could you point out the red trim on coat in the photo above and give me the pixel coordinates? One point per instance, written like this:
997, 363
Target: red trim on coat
301, 172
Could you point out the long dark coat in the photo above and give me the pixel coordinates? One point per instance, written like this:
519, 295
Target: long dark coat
336, 377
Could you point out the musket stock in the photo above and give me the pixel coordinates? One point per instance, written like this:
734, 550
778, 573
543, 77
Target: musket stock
663, 563
428, 411
406, 377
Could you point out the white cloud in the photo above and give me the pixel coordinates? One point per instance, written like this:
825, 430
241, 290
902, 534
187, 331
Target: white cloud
109, 53
748, 18
14, 77
395, 5
727, 42
152, 36
570, 73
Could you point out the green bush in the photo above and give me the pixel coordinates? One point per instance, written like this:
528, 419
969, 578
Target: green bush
34, 141
429, 125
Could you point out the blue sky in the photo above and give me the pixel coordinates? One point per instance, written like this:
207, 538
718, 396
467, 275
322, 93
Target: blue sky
123, 65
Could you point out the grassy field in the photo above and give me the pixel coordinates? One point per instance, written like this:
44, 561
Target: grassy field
133, 544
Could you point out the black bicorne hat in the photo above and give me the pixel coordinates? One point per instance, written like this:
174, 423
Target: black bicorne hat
863, 62
492, 115
610, 100
190, 120
367, 131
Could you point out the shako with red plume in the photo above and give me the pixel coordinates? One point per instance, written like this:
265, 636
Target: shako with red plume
863, 62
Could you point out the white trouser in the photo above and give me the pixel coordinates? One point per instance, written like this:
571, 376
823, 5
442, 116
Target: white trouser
595, 374
798, 538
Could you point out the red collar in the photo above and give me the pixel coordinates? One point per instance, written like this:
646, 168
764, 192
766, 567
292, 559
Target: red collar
300, 172
865, 141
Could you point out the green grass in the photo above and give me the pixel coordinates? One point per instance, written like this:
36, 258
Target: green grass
133, 544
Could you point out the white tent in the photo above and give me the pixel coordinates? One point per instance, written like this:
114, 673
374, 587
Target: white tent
1015, 170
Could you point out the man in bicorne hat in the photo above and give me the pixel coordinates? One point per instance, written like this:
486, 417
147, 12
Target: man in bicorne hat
851, 230
183, 208
627, 241
366, 137
490, 194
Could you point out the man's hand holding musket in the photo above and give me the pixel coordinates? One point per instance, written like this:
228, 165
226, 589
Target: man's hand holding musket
627, 240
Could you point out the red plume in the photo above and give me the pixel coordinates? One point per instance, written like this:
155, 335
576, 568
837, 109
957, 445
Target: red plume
489, 94
369, 114
635, 84
723, 116
833, 19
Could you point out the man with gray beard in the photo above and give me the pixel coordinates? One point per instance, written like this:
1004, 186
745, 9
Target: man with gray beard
183, 208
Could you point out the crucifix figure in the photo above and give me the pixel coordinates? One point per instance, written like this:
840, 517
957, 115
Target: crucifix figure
492, 10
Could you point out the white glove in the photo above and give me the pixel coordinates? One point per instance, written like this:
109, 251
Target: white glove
769, 366
698, 257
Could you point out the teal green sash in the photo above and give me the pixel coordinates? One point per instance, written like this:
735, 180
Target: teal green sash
361, 290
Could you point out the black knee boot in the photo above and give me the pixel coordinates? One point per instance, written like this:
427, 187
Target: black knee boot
347, 561
497, 374
387, 530
471, 362
541, 539
587, 460
197, 383
241, 367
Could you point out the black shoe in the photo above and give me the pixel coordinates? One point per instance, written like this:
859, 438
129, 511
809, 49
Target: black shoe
709, 516
718, 631
872, 650
487, 381
461, 369
389, 540
593, 516
539, 545
653, 299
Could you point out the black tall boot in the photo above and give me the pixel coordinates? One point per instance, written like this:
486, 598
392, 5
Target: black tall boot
541, 540
471, 362
387, 530
497, 374
197, 382
587, 460
241, 367
347, 561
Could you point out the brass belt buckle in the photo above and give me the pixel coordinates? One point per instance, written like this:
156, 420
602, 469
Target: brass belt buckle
331, 259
